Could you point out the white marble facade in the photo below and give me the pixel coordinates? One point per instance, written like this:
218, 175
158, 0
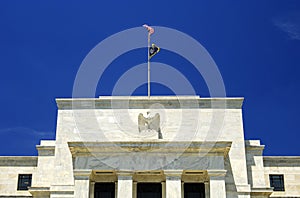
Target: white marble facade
97, 140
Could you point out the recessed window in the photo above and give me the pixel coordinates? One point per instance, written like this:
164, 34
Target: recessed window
149, 190
24, 181
277, 182
104, 190
194, 190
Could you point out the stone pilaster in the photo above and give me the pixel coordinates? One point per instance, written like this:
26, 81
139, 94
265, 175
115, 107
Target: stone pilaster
206, 186
163, 189
82, 183
125, 184
134, 190
92, 189
182, 187
217, 183
173, 183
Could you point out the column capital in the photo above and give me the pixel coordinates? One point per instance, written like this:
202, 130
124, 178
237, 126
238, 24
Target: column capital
124, 175
216, 173
82, 174
124, 172
173, 172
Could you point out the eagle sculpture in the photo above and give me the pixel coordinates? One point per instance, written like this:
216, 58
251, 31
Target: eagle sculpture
150, 123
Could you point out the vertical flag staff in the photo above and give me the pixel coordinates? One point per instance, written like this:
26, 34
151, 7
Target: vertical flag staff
152, 50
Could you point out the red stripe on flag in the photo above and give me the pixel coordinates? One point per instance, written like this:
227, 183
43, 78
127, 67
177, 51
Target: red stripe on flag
149, 29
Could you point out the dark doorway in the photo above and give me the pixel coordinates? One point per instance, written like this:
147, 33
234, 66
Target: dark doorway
104, 190
194, 190
149, 190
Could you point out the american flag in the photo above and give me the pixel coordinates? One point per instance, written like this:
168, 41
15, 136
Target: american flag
149, 29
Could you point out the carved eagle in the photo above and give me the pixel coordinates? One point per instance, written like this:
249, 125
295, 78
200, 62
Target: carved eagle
149, 123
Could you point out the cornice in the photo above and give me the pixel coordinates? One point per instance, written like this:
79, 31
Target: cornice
156, 147
169, 102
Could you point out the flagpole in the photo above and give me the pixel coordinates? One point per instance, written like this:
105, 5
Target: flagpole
148, 65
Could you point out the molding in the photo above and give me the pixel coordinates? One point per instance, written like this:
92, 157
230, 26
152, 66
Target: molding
271, 161
82, 174
261, 191
281, 157
173, 172
124, 175
155, 147
26, 161
62, 190
39, 191
244, 188
173, 175
256, 148
45, 150
135, 102
216, 173
14, 196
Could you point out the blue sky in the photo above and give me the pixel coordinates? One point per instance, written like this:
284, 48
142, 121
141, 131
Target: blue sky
255, 45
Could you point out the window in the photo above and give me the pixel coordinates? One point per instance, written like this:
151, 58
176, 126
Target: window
24, 181
194, 190
149, 190
104, 190
277, 182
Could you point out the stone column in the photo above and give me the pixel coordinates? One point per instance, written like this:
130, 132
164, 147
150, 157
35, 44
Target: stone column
173, 183
217, 183
182, 189
163, 189
82, 183
125, 185
92, 189
206, 186
134, 190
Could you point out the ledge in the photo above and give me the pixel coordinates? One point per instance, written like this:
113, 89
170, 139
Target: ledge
216, 173
15, 196
261, 191
271, 161
86, 148
62, 190
82, 174
135, 102
46, 150
40, 191
257, 148
30, 161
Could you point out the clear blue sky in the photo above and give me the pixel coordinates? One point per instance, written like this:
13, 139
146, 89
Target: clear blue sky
256, 45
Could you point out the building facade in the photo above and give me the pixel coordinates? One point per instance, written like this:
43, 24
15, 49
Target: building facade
140, 147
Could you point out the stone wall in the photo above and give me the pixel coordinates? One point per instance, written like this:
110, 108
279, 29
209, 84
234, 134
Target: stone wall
44, 174
184, 119
290, 168
10, 168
